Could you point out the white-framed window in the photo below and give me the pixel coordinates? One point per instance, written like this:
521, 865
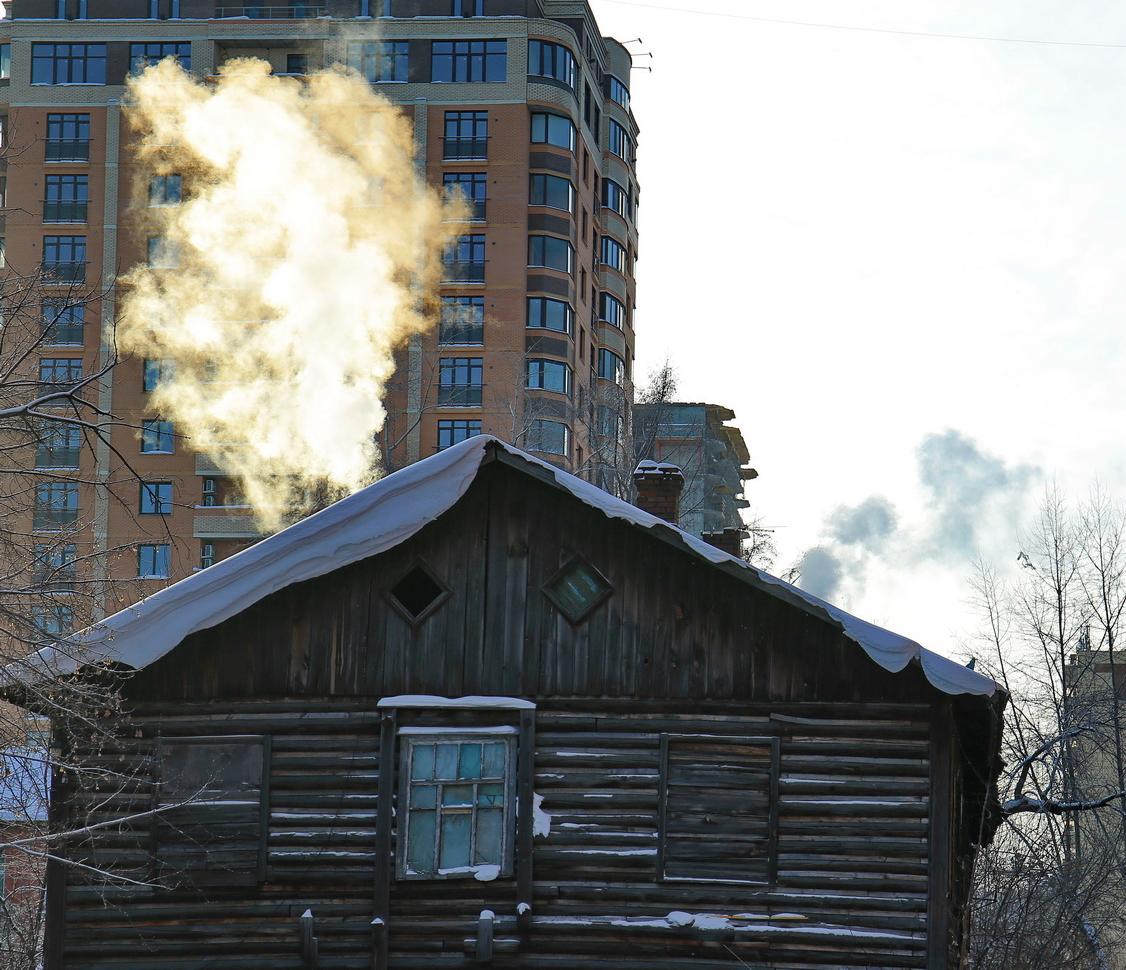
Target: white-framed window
458, 796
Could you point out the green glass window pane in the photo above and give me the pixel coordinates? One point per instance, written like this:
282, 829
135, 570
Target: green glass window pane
457, 795
489, 826
469, 761
420, 842
447, 762
490, 795
493, 762
424, 796
577, 589
455, 842
422, 762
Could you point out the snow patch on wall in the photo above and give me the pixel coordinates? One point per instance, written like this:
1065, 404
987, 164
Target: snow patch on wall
541, 820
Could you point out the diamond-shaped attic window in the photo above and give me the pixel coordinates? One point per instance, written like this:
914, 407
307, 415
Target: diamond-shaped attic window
577, 589
418, 594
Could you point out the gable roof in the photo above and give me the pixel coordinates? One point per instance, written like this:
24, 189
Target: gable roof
389, 512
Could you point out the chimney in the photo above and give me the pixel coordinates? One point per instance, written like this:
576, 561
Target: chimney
658, 487
729, 540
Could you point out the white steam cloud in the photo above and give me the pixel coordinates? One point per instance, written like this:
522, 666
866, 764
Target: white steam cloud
305, 251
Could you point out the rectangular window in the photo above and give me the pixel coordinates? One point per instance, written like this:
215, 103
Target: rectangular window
59, 373
718, 809
611, 367
213, 790
458, 798
551, 60
55, 569
297, 64
460, 61
460, 380
68, 138
206, 555
549, 375
545, 313
157, 437
550, 129
64, 259
62, 323
68, 63
65, 198
59, 446
56, 504
619, 93
154, 561
464, 260
451, 432
208, 493
5, 62
154, 372
471, 186
156, 498
146, 55
162, 254
466, 135
551, 252
620, 142
553, 192
550, 437
53, 620
613, 254
165, 190
462, 320
616, 198
380, 62
612, 310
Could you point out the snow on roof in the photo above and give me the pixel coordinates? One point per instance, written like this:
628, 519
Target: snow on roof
382, 516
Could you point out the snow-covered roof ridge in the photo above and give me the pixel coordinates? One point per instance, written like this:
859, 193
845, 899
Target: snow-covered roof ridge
382, 516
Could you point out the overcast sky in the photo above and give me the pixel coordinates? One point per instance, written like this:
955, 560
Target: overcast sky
899, 259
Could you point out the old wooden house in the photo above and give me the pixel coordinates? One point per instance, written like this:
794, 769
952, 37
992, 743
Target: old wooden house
482, 713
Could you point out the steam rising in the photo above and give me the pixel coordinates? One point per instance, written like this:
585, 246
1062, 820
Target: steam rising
302, 255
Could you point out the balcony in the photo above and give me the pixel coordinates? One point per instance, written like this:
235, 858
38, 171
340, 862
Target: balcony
459, 395
465, 149
225, 522
296, 11
67, 150
458, 272
458, 334
61, 273
54, 211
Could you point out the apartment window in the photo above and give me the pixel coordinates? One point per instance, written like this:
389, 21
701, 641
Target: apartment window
553, 192
68, 138
208, 493
551, 60
451, 432
165, 190
737, 778
146, 55
297, 64
153, 561
466, 135
468, 8
551, 252
620, 142
64, 258
472, 187
458, 793
613, 254
609, 423
68, 63
156, 498
611, 367
619, 93
55, 568
157, 437
545, 313
206, 555
616, 198
59, 373
551, 129
549, 375
460, 380
53, 620
62, 323
59, 446
468, 60
612, 310
155, 371
464, 260
462, 320
380, 62
66, 198
551, 437
162, 254
56, 504
5, 62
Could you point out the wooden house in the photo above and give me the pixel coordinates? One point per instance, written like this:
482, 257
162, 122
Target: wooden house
482, 713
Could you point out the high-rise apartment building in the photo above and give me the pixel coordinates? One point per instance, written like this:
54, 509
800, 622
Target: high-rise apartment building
521, 105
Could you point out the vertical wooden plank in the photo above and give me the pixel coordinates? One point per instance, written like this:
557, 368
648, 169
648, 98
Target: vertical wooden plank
662, 801
264, 807
383, 861
772, 825
55, 936
525, 823
941, 837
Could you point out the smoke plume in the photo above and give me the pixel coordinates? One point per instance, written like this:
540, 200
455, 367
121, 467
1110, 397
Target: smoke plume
304, 253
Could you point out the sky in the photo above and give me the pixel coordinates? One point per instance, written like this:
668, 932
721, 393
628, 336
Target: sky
899, 259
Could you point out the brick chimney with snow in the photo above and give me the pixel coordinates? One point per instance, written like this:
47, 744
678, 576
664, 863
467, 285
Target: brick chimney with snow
729, 540
659, 485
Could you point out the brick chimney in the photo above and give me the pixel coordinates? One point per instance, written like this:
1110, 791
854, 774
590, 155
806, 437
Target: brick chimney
659, 485
729, 540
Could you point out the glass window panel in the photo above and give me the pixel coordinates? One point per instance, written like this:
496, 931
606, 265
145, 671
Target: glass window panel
469, 761
420, 842
493, 761
491, 795
422, 762
424, 796
454, 853
457, 795
490, 826
447, 761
